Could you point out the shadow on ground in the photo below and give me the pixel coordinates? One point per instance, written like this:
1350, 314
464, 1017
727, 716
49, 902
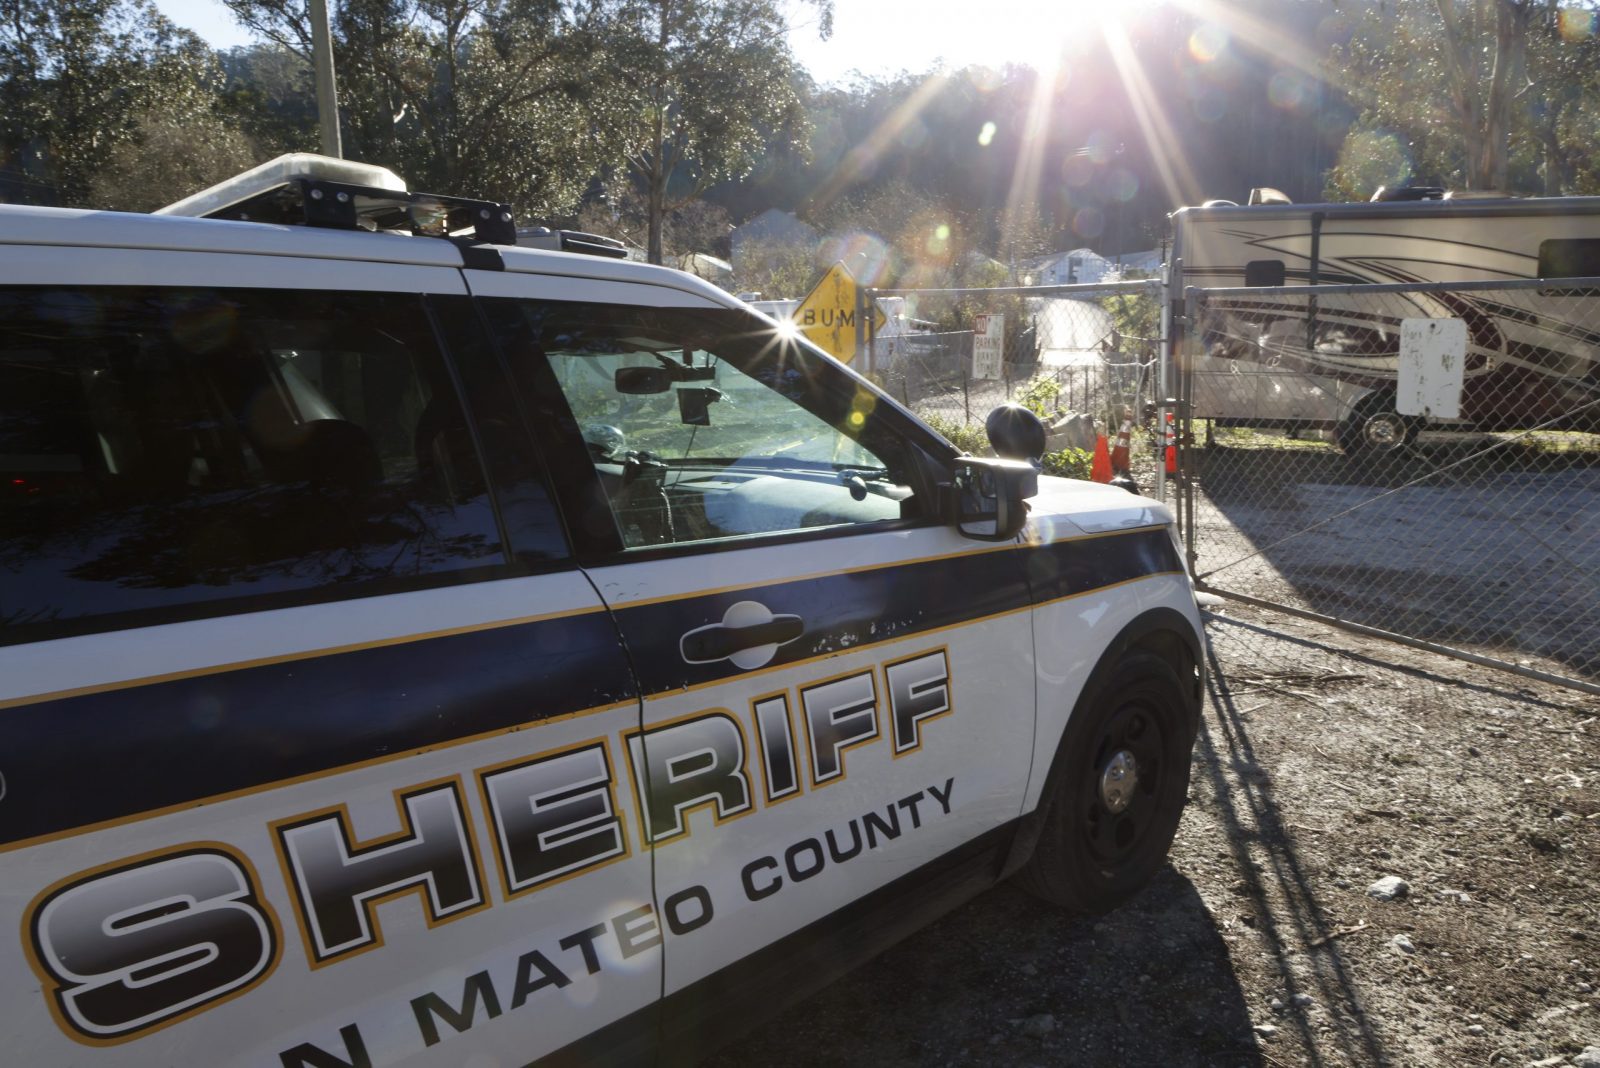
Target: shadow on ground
1489, 551
1158, 981
1290, 936
1152, 980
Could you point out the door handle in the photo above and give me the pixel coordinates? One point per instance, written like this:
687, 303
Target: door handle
749, 635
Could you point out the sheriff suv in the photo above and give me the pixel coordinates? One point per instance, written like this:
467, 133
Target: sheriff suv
420, 649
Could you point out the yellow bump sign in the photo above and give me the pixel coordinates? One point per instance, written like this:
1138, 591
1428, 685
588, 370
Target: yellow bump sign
828, 314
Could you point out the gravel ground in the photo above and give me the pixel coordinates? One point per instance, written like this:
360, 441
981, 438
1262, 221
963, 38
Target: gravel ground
1326, 763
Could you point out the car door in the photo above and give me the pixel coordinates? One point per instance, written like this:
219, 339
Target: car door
838, 687
311, 739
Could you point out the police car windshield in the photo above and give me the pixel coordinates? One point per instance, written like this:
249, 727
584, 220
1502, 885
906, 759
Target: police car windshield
692, 388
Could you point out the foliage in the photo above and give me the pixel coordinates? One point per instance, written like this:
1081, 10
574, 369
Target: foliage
699, 87
969, 438
1039, 396
270, 93
1470, 94
166, 160
1368, 160
77, 80
492, 98
1135, 316
778, 270
1246, 438
1069, 463
972, 439
619, 211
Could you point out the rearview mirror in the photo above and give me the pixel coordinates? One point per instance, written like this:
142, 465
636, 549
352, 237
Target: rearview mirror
988, 496
642, 381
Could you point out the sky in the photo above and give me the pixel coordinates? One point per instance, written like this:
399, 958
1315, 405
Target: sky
876, 37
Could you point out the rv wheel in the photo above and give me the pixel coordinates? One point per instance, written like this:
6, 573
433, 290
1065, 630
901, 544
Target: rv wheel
1375, 428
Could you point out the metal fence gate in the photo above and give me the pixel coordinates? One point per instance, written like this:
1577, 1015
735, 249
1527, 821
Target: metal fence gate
1303, 489
1091, 349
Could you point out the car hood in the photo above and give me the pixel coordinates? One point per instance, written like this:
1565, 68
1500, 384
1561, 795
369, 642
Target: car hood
1068, 507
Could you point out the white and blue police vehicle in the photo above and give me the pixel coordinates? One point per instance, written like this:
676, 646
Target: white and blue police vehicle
421, 650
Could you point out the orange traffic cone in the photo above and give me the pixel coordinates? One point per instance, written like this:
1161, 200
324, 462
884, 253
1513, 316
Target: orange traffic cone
1100, 470
1119, 452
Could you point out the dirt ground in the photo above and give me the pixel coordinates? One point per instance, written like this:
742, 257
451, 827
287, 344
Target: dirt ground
1326, 761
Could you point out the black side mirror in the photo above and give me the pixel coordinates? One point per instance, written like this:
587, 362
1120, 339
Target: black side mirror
988, 496
1015, 432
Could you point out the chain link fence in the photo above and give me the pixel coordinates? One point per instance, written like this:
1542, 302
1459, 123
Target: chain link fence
1082, 349
1309, 485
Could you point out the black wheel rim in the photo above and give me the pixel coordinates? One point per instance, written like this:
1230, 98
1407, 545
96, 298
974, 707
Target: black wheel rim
1115, 832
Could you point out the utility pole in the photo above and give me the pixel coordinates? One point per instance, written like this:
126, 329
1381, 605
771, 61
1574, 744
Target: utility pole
327, 93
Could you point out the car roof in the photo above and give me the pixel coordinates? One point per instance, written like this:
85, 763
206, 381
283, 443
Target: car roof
86, 228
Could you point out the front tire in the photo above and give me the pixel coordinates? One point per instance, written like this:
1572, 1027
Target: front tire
1118, 796
1375, 429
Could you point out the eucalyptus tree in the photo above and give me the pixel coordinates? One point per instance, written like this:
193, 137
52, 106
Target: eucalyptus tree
1485, 94
78, 78
494, 98
702, 89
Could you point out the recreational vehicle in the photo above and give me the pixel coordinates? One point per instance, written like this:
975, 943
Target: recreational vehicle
1280, 359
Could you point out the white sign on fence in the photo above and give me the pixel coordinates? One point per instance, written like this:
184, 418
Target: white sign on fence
1433, 356
988, 346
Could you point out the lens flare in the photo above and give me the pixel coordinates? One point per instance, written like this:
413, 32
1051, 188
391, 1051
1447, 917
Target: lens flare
986, 134
866, 255
1124, 185
914, 135
1088, 223
1210, 105
861, 407
1208, 42
1374, 158
1290, 90
1077, 170
1575, 25
1101, 146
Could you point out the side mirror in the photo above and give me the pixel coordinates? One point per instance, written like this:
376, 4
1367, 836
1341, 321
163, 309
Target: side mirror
1015, 432
642, 381
988, 496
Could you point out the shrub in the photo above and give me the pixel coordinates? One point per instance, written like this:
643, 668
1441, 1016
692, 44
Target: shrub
1068, 463
1040, 395
968, 437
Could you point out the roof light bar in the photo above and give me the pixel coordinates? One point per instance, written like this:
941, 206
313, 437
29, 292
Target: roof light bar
277, 173
307, 189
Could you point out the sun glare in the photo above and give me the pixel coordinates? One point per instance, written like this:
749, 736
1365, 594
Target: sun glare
1042, 34
1063, 40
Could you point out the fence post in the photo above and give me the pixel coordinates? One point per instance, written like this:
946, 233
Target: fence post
863, 363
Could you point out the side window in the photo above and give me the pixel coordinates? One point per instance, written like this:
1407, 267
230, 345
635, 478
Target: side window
163, 447
1569, 258
1264, 273
711, 425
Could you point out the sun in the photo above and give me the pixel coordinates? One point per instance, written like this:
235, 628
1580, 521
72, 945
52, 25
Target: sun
1042, 34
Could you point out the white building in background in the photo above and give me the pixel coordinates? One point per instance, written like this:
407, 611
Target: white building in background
1085, 266
772, 225
1081, 266
1138, 264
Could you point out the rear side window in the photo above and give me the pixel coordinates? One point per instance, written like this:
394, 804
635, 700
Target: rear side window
1260, 274
163, 451
1569, 258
